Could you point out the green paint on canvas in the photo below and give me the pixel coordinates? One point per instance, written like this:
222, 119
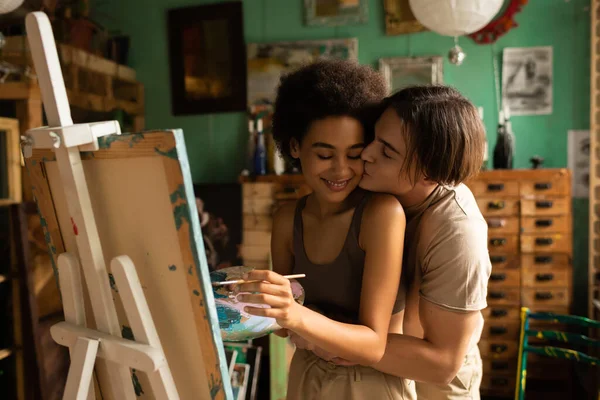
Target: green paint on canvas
172, 268
136, 384
127, 333
113, 284
179, 193
181, 213
105, 142
215, 386
172, 153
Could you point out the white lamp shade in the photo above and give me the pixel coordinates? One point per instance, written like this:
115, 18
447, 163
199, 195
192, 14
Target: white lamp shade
455, 17
7, 6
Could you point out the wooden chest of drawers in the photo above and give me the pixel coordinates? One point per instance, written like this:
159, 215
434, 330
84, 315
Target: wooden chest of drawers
530, 242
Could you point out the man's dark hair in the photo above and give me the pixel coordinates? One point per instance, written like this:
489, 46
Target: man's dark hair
445, 138
325, 88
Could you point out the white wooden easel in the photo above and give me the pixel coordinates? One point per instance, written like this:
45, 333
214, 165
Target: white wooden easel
104, 348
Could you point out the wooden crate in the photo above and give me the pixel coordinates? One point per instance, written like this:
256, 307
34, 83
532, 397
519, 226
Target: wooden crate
93, 83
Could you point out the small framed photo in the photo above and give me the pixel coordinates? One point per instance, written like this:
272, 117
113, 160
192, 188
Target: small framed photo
399, 18
336, 12
401, 72
207, 58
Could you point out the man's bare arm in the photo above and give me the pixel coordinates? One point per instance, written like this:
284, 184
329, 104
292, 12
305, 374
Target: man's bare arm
439, 355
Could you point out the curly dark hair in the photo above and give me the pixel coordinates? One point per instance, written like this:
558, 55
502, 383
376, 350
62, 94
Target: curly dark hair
325, 88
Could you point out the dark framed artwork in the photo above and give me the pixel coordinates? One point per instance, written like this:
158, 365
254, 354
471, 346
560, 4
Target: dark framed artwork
207, 58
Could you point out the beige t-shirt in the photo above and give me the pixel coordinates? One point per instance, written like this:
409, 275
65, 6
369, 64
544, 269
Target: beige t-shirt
446, 249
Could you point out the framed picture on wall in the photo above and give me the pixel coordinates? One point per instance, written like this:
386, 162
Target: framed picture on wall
399, 18
268, 61
400, 72
335, 12
207, 59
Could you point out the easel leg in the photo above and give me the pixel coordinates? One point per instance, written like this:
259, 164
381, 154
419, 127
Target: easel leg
69, 277
83, 357
142, 325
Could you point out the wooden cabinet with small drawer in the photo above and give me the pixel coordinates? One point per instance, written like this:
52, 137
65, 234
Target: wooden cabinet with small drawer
529, 219
261, 197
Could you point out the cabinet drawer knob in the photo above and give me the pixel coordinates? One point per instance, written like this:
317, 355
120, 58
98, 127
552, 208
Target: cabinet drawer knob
498, 277
497, 259
498, 348
543, 204
544, 277
497, 295
542, 186
543, 222
498, 241
543, 259
543, 296
496, 205
495, 187
543, 241
498, 312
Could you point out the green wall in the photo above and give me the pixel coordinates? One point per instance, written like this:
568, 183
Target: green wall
216, 142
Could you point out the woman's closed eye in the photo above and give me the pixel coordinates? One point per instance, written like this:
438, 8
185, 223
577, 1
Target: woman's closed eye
324, 157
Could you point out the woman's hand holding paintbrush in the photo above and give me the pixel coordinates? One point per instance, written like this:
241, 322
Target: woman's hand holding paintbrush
271, 289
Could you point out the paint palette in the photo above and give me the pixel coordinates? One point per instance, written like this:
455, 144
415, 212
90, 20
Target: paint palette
235, 323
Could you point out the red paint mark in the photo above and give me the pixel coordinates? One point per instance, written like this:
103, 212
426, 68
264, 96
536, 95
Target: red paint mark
75, 231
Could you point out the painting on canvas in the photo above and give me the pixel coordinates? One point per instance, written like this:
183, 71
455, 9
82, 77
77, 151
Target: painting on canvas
268, 61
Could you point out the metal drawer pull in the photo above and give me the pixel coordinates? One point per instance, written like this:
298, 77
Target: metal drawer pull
499, 381
498, 348
497, 259
497, 295
496, 223
542, 186
543, 204
498, 277
495, 187
496, 205
543, 296
544, 277
499, 365
497, 330
543, 259
498, 312
498, 241
543, 222
543, 241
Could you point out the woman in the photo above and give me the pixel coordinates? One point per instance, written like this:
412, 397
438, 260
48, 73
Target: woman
346, 240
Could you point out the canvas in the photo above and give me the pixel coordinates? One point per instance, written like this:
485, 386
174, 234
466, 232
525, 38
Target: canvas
144, 207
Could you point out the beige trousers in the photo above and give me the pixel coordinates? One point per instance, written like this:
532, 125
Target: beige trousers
464, 386
312, 378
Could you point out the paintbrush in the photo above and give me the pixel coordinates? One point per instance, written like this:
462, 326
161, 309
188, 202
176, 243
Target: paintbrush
239, 281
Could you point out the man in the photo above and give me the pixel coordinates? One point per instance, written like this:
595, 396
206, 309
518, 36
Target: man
428, 141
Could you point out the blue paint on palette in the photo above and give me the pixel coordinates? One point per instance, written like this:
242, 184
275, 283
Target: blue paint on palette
228, 317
